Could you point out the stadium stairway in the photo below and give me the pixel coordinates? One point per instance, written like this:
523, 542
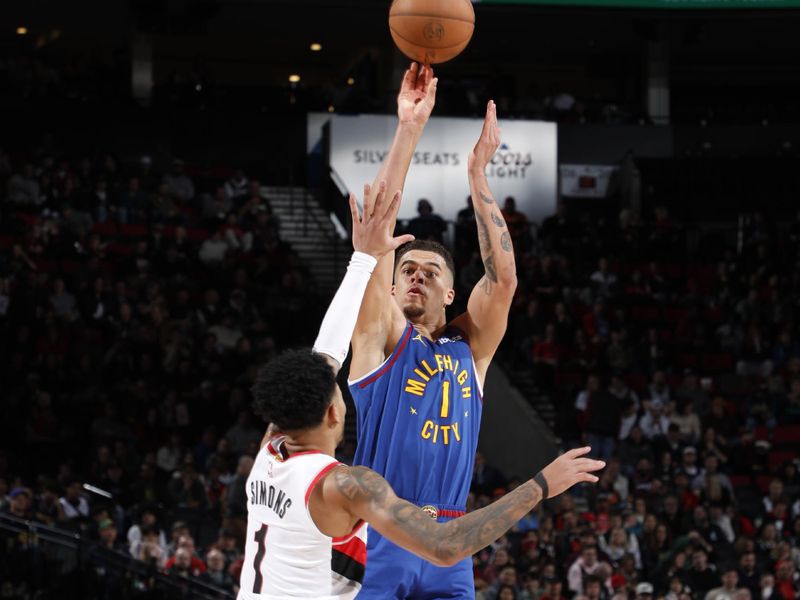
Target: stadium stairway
312, 234
523, 379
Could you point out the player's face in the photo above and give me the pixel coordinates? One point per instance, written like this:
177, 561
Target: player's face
423, 285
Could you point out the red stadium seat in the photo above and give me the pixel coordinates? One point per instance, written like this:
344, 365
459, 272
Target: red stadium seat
716, 362
135, 231
786, 434
741, 480
762, 481
777, 458
108, 229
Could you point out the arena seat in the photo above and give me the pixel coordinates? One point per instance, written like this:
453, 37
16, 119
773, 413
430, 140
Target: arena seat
786, 434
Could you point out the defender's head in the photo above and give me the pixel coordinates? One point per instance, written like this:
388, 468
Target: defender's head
297, 391
423, 279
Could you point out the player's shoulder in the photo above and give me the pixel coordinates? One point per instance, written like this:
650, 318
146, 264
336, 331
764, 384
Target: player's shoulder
456, 330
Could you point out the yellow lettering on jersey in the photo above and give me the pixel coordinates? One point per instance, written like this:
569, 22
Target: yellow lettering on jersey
415, 387
426, 434
448, 362
466, 392
462, 377
445, 399
422, 375
430, 371
439, 363
430, 431
445, 430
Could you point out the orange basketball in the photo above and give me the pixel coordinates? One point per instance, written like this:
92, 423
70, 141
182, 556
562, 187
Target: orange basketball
431, 31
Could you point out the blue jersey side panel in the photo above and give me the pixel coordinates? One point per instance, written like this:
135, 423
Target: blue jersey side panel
419, 416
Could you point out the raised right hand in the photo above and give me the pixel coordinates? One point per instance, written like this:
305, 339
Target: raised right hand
417, 95
570, 468
372, 231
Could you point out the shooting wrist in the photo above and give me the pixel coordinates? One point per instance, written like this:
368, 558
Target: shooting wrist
477, 172
410, 128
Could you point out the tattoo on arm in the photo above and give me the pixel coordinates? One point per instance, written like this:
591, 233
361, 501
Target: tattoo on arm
466, 535
499, 221
488, 265
505, 242
485, 198
359, 484
447, 542
483, 235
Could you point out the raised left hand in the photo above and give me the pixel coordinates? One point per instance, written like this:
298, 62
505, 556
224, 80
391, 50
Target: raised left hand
488, 143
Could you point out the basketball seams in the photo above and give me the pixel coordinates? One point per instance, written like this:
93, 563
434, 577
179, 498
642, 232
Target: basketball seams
416, 45
427, 16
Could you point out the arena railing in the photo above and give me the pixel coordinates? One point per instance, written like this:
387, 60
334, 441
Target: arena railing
38, 560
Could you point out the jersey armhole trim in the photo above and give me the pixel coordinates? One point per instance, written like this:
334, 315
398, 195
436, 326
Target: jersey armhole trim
316, 479
375, 374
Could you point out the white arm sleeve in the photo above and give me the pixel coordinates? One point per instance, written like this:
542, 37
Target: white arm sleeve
340, 320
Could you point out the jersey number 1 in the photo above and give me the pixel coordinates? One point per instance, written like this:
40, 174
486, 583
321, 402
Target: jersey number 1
261, 540
445, 400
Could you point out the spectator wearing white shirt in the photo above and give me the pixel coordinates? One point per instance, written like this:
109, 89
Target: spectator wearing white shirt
603, 281
654, 423
73, 503
587, 564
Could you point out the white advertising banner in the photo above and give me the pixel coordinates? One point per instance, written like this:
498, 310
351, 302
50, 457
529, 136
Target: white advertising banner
585, 181
524, 166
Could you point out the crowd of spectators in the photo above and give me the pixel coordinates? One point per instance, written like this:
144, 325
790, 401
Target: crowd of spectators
135, 306
681, 368
137, 302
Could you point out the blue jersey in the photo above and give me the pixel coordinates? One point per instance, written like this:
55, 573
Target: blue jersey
419, 415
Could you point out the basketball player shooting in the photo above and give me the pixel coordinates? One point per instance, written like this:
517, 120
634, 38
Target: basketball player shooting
306, 511
416, 379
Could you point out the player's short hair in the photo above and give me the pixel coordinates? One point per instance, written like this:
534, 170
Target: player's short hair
294, 390
426, 246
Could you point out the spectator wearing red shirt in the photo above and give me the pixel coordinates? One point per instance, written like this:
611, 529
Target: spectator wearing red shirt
186, 543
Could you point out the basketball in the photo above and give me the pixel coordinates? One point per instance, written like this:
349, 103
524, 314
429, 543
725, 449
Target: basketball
431, 31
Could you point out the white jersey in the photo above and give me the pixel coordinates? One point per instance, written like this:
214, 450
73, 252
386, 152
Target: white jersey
285, 555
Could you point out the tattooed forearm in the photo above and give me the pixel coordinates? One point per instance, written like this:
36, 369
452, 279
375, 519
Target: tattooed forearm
466, 535
485, 285
488, 265
359, 484
499, 221
484, 241
485, 198
505, 242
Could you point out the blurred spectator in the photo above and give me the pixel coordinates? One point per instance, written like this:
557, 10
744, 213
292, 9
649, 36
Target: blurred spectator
427, 225
216, 574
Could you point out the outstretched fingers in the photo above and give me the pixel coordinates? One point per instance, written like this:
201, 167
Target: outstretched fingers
410, 78
377, 207
423, 78
401, 239
354, 208
576, 452
393, 206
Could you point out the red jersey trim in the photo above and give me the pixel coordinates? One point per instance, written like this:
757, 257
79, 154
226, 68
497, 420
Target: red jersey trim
355, 549
451, 514
319, 476
345, 538
278, 456
391, 361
